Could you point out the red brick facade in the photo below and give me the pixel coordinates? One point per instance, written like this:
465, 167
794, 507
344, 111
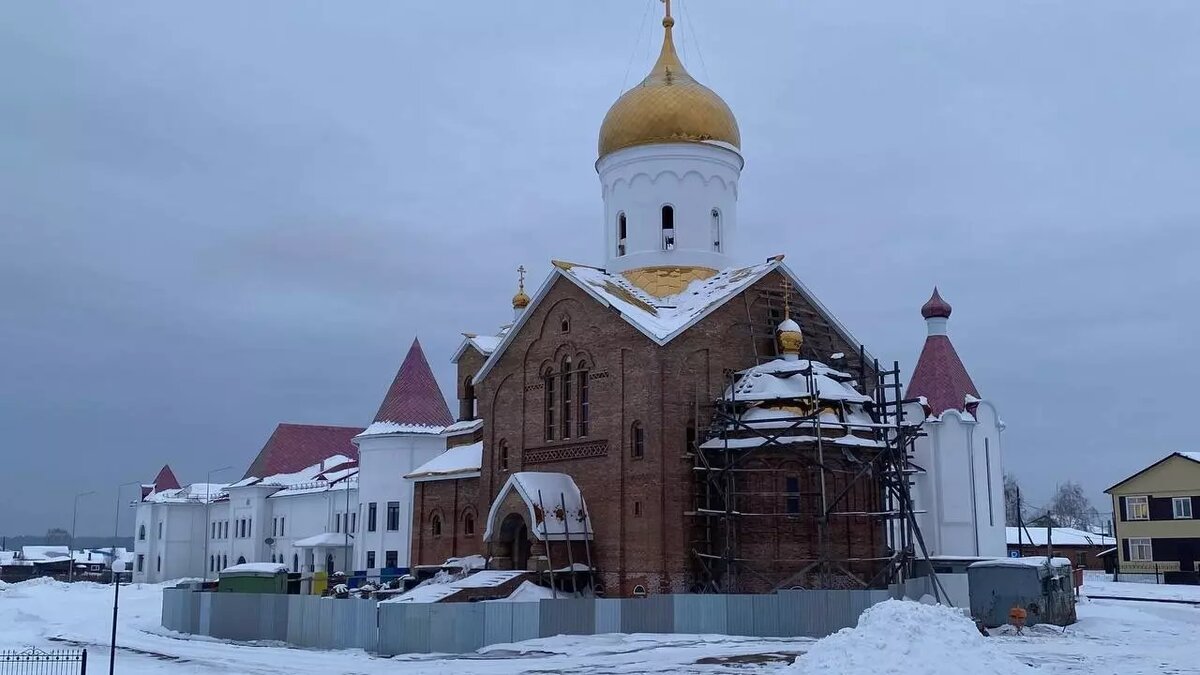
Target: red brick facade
638, 506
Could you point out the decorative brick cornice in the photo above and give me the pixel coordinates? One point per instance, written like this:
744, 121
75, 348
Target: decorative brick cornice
562, 453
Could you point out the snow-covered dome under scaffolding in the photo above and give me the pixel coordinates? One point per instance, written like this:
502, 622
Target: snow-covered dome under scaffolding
806, 399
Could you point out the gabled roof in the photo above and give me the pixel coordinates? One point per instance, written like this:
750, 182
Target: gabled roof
661, 319
940, 375
414, 399
165, 480
295, 447
484, 344
1190, 456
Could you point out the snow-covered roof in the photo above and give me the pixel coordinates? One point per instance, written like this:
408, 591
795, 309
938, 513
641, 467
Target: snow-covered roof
256, 568
784, 379
459, 462
323, 539
662, 319
1060, 536
1033, 561
545, 495
758, 441
305, 475
463, 426
433, 591
195, 493
381, 428
484, 344
44, 553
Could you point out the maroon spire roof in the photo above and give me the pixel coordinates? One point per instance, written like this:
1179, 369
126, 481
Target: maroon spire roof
936, 307
293, 447
414, 397
165, 480
940, 375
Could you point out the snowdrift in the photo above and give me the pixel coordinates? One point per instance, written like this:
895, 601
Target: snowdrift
909, 638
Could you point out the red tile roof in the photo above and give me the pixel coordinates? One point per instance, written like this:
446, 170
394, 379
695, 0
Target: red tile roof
165, 480
293, 447
940, 375
414, 397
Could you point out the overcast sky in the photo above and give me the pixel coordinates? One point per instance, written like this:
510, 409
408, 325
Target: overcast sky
218, 216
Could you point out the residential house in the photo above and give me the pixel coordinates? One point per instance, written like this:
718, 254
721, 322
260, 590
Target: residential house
1156, 525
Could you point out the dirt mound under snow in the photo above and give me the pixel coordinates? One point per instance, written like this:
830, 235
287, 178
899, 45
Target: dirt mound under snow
909, 638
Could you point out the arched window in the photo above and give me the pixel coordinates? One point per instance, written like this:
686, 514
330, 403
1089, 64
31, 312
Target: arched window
637, 441
791, 488
716, 230
212, 564
142, 532
689, 436
469, 524
296, 562
567, 397
158, 564
224, 561
564, 325
583, 398
435, 525
668, 227
466, 405
241, 560
622, 232
548, 382
503, 455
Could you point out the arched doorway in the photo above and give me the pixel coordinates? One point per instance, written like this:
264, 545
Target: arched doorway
514, 537
329, 563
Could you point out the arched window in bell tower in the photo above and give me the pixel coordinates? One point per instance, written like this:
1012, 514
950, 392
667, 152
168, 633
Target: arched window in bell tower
668, 227
622, 232
716, 230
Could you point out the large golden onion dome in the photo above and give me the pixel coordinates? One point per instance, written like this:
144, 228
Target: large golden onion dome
669, 106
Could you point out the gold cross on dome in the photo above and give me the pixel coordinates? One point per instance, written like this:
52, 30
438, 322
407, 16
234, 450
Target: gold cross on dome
667, 3
786, 286
521, 274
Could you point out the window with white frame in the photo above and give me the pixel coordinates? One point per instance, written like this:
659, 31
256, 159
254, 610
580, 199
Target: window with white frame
1182, 507
1139, 550
1137, 508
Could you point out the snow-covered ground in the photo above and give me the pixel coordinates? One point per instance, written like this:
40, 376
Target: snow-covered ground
1112, 637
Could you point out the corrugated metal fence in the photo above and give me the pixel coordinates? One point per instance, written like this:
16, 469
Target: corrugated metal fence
398, 628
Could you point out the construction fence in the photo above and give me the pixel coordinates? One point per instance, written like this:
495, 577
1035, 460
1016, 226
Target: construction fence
391, 628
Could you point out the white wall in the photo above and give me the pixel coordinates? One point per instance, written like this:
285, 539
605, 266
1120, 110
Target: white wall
962, 489
383, 463
694, 178
175, 553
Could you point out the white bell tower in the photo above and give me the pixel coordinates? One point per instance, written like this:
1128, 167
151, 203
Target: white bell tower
669, 167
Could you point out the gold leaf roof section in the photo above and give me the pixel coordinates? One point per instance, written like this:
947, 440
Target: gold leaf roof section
669, 106
662, 282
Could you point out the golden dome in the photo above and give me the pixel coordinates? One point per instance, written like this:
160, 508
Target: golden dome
669, 106
789, 336
520, 300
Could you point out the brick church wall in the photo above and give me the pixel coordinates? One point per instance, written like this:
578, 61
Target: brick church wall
637, 506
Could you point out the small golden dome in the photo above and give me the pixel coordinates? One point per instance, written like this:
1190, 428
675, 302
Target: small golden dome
520, 300
669, 106
789, 336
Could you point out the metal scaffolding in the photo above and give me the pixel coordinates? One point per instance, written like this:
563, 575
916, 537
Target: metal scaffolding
850, 491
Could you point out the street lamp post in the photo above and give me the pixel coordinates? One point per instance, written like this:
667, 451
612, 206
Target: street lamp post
207, 515
116, 578
71, 547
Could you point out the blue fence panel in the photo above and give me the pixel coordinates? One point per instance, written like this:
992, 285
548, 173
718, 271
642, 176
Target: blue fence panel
652, 614
498, 622
701, 614
391, 629
526, 620
608, 615
739, 614
766, 616
568, 617
205, 625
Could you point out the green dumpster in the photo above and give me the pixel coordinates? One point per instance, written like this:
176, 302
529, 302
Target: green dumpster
253, 578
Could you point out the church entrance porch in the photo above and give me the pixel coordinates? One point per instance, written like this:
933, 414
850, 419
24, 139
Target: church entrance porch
512, 547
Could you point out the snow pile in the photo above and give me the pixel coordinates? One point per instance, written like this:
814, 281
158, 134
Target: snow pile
900, 637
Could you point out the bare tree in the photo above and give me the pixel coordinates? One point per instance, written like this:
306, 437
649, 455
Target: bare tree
1071, 507
1011, 492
